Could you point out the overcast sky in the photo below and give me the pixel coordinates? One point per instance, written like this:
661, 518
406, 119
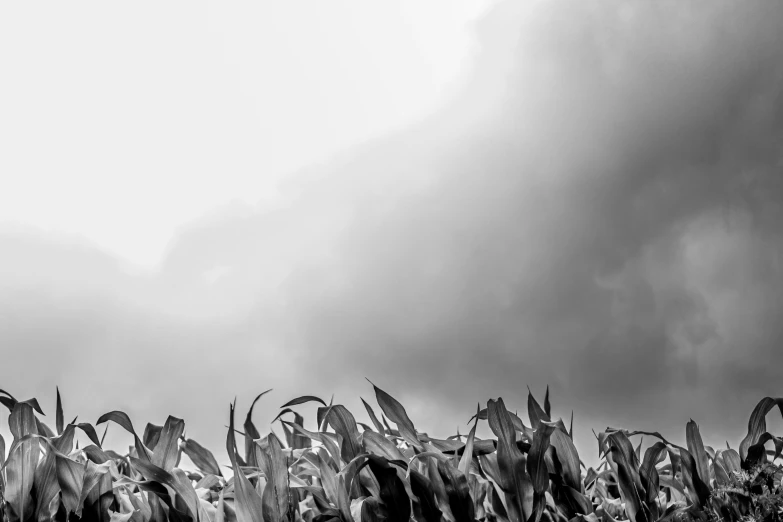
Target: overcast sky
456, 200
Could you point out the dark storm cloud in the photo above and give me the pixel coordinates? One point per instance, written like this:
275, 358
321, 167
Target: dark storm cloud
559, 235
599, 211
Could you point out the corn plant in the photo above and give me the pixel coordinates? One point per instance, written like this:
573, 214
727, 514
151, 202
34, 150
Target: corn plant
349, 471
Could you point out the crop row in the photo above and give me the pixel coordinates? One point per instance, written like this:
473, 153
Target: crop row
348, 471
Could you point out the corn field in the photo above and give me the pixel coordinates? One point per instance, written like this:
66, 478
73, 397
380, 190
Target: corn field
349, 471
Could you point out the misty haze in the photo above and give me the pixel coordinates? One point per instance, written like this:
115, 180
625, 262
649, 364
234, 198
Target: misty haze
575, 206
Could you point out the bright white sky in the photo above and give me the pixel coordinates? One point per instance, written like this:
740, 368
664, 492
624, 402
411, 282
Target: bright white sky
121, 121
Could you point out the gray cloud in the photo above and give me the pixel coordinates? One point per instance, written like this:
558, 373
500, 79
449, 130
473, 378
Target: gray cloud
598, 211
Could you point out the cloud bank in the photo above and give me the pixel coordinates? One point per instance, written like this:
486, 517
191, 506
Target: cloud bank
598, 211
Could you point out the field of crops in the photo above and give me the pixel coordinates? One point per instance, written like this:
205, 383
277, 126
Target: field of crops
348, 471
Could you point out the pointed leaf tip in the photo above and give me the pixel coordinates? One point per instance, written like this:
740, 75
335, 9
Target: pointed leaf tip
59, 422
547, 406
397, 414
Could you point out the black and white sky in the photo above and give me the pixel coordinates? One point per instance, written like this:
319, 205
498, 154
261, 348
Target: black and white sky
454, 199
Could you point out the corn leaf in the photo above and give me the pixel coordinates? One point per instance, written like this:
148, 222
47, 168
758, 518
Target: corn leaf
568, 458
151, 435
633, 493
45, 486
696, 448
93, 473
457, 492
535, 412
124, 421
378, 426
392, 490
201, 457
537, 469
467, 453
721, 476
517, 422
323, 438
119, 517
302, 400
344, 424
368, 510
732, 461
59, 414
70, 477
381, 446
571, 427
166, 449
11, 403
64, 442
248, 505
397, 414
691, 478
757, 424
160, 491
22, 460
300, 441
425, 507
251, 433
99, 498
547, 407
275, 497
321, 413
511, 475
648, 473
